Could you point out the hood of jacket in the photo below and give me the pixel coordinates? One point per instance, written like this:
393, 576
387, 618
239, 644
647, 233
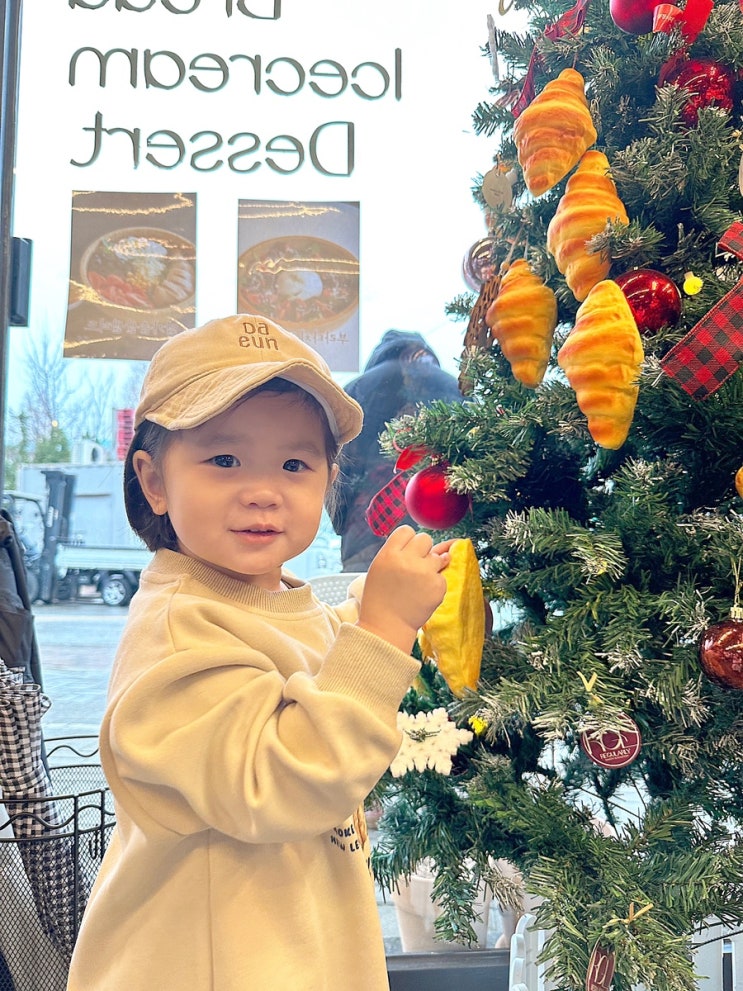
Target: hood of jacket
395, 344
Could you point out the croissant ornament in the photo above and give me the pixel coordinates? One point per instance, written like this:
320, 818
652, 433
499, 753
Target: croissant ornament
601, 358
522, 319
553, 132
589, 202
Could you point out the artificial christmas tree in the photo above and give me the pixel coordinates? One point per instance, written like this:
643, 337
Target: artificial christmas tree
604, 761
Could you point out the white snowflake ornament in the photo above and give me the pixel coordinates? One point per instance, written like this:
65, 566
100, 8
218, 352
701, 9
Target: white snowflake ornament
429, 740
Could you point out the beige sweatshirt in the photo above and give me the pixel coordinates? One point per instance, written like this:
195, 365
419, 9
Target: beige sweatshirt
243, 730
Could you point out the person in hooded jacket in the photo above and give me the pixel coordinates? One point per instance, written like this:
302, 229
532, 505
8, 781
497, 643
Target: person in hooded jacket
402, 374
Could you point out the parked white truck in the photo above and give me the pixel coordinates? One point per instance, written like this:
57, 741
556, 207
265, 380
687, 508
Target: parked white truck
83, 538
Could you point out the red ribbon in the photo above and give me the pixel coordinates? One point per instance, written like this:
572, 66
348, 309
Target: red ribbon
570, 22
691, 20
712, 351
409, 457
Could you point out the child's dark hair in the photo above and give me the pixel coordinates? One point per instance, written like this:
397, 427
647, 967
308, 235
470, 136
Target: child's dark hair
157, 531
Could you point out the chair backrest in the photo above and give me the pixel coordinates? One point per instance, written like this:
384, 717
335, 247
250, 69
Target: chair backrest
333, 589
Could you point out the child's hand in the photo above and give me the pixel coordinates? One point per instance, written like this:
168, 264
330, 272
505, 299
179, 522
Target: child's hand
403, 587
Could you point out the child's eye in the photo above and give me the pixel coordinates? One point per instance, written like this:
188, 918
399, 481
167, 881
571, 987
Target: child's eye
294, 464
225, 461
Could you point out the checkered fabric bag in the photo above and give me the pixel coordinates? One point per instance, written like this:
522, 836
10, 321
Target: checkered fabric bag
21, 708
712, 351
44, 843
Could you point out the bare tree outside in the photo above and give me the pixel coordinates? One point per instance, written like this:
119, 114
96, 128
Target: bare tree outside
60, 403
91, 415
49, 393
133, 384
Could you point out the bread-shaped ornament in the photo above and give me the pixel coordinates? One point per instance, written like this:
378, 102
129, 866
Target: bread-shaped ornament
601, 358
453, 636
552, 133
589, 202
522, 319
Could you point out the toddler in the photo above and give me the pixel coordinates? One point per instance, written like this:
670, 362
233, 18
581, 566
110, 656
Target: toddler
246, 721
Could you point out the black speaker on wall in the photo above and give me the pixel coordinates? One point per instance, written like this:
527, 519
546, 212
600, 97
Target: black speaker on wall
20, 281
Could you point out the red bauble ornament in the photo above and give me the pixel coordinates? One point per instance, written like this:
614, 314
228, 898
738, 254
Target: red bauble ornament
633, 16
654, 299
708, 83
430, 501
721, 650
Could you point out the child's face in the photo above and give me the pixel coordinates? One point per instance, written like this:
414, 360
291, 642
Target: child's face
245, 490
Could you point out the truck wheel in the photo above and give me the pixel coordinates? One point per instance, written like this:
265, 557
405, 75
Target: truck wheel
115, 590
64, 588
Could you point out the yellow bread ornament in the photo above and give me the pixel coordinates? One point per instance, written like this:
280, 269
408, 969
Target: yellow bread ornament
552, 133
522, 319
589, 202
602, 357
453, 636
739, 481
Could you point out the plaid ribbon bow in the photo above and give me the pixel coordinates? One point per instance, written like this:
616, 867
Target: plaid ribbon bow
387, 508
712, 351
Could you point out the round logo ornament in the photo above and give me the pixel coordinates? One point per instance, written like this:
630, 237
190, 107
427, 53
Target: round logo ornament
497, 188
613, 748
600, 969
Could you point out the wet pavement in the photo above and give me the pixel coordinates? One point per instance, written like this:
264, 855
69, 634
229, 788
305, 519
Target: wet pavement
77, 642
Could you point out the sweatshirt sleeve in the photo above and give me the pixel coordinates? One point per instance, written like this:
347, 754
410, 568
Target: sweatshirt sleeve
213, 736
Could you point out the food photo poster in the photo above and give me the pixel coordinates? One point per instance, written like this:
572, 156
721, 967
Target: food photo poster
298, 264
132, 273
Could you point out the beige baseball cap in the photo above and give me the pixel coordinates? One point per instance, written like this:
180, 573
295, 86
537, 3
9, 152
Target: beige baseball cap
200, 373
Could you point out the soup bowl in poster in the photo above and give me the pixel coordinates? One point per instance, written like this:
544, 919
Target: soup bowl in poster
145, 269
303, 283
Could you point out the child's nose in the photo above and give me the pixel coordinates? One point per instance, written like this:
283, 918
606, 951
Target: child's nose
259, 492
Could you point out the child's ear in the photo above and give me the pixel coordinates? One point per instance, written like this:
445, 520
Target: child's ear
150, 482
334, 469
